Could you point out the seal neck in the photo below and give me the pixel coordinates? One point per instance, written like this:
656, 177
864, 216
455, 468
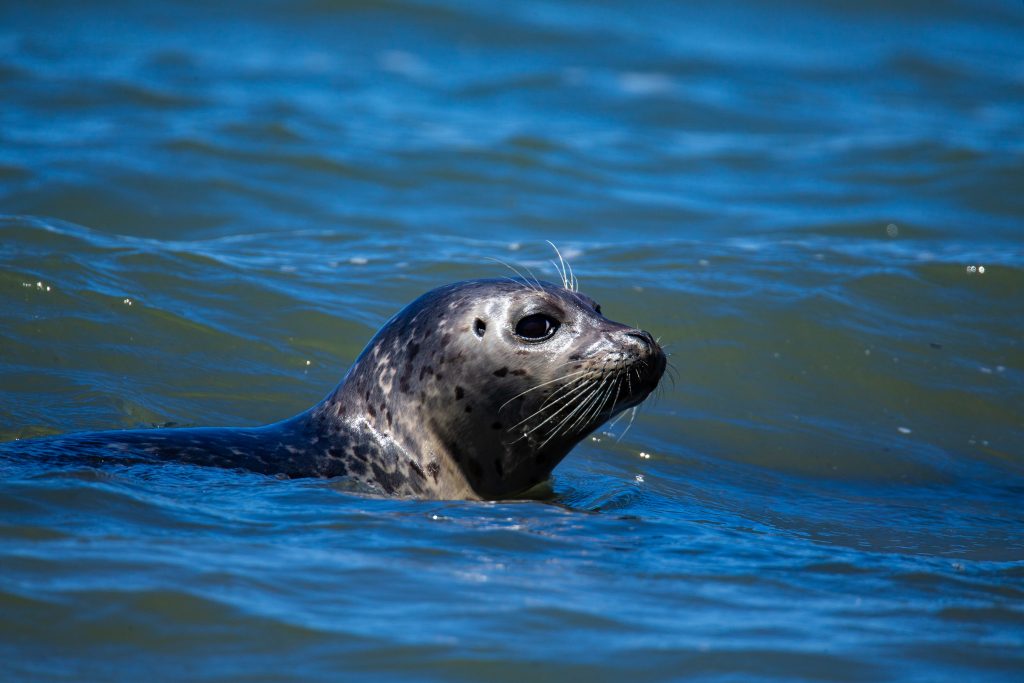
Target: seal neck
389, 441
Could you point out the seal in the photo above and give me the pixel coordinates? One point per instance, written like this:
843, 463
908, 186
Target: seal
475, 390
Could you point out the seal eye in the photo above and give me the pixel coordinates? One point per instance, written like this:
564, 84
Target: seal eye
536, 327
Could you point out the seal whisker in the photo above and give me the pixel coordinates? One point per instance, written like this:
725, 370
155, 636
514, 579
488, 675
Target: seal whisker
536, 280
578, 387
582, 404
561, 393
672, 373
573, 389
571, 402
572, 279
632, 416
596, 400
616, 420
561, 274
617, 378
581, 390
586, 407
513, 280
536, 288
574, 403
618, 387
597, 404
565, 271
542, 384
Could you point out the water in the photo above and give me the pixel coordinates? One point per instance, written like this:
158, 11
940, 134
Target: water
209, 208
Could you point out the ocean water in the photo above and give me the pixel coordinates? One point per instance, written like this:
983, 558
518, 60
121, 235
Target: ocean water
207, 209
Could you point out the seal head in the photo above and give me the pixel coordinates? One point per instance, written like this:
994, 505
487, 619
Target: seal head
485, 385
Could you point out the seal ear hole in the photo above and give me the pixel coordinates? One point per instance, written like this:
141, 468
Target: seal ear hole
479, 327
597, 309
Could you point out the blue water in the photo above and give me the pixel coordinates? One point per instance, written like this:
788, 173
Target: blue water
207, 209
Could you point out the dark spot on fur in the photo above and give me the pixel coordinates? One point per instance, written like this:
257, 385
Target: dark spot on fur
575, 356
445, 339
459, 393
388, 415
335, 467
496, 425
414, 467
389, 481
439, 377
469, 408
434, 469
413, 350
357, 468
372, 411
501, 372
519, 373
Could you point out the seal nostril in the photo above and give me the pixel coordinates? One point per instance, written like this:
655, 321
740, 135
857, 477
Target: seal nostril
644, 337
479, 327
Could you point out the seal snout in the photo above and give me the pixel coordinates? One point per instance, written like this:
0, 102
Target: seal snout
650, 356
645, 338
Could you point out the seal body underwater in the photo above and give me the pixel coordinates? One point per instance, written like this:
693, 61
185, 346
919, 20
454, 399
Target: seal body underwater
476, 389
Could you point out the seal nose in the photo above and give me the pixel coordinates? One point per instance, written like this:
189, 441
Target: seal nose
652, 360
644, 337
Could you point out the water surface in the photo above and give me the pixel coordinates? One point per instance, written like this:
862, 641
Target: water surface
208, 209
